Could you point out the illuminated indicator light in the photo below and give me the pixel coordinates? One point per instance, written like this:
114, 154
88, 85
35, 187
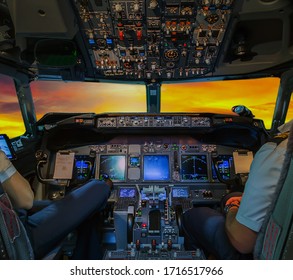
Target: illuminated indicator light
227, 120
121, 35
184, 45
139, 34
143, 225
109, 41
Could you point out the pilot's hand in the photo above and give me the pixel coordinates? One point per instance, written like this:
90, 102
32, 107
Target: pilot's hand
109, 183
107, 180
4, 161
235, 200
232, 202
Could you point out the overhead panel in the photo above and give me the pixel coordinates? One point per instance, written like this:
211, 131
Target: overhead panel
153, 40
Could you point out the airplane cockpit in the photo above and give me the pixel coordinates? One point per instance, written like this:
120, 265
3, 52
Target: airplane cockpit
161, 162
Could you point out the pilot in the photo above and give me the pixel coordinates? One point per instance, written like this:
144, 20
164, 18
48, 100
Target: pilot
49, 226
232, 235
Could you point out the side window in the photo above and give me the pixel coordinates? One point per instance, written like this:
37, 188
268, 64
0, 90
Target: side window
11, 121
290, 110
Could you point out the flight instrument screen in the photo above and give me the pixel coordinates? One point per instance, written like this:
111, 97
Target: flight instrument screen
194, 168
156, 168
114, 166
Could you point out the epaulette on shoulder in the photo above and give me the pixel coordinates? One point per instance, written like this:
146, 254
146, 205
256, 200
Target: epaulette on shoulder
280, 137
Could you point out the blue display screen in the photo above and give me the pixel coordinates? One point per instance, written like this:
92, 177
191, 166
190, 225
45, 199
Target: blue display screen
194, 168
127, 192
180, 192
134, 161
156, 168
224, 163
114, 166
81, 164
6, 147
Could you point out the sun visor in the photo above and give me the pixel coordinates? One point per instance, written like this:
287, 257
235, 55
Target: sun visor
34, 18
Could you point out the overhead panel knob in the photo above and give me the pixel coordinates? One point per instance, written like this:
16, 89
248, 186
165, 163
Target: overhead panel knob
118, 8
153, 4
136, 7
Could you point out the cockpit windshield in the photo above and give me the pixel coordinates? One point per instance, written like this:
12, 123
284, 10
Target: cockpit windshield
259, 95
80, 97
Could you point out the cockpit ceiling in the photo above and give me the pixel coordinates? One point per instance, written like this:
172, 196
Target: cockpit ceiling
155, 40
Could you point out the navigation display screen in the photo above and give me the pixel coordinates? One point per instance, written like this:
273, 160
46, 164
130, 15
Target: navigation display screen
114, 166
156, 168
6, 147
127, 192
224, 162
194, 168
180, 192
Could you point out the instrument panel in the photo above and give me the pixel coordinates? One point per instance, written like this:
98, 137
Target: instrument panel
145, 159
157, 178
153, 162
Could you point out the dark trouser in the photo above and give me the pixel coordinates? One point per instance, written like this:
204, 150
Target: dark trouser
205, 228
77, 210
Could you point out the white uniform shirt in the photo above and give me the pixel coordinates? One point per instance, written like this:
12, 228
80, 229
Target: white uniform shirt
260, 187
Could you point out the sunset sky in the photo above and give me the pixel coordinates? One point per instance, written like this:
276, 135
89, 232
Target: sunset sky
258, 95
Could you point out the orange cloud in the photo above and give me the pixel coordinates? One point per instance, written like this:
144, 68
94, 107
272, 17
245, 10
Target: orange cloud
87, 97
259, 95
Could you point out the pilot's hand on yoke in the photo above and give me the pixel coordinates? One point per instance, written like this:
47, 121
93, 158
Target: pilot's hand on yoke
232, 202
106, 178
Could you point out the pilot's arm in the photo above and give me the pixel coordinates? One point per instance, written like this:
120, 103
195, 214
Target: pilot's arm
241, 237
243, 222
14, 184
